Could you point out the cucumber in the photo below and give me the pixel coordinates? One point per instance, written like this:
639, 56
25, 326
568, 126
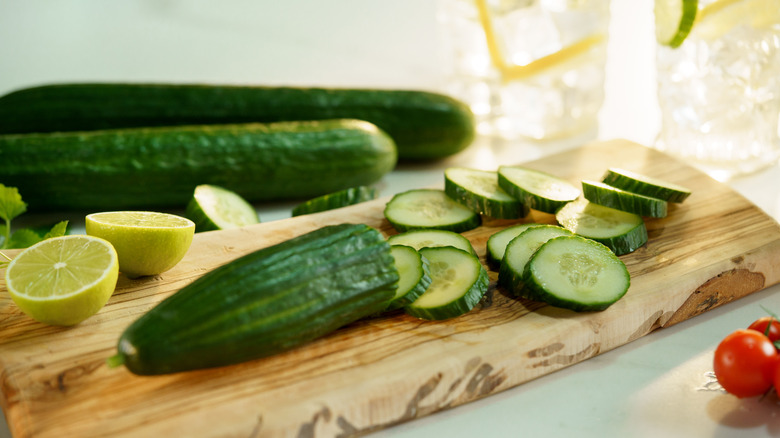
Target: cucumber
479, 191
215, 208
538, 190
519, 251
414, 276
149, 168
459, 282
264, 303
429, 209
419, 239
620, 231
644, 185
608, 196
342, 198
497, 242
424, 125
575, 273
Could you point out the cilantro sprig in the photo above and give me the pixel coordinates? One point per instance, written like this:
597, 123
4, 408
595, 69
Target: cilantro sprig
11, 206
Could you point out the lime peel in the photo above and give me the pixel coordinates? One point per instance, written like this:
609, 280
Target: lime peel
148, 243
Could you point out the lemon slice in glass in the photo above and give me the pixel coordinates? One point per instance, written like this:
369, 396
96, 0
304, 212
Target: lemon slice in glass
148, 243
674, 20
63, 280
720, 16
510, 72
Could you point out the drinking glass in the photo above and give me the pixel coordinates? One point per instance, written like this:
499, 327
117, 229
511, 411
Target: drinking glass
719, 91
529, 69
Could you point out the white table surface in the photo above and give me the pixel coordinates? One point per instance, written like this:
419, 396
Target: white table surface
657, 385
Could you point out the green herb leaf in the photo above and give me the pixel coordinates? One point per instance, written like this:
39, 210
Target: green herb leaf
59, 229
11, 204
23, 238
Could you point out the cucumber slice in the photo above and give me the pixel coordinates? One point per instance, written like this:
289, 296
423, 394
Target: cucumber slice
538, 190
459, 282
645, 185
620, 231
519, 251
342, 198
414, 276
216, 208
419, 239
575, 273
497, 242
674, 20
479, 190
619, 199
429, 209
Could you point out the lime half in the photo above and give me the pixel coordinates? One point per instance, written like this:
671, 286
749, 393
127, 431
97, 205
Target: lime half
148, 243
674, 20
215, 208
63, 280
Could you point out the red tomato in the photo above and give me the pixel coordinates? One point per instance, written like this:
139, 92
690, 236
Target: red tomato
761, 324
746, 363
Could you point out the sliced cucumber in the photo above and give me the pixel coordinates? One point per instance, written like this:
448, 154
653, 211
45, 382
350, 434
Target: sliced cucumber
419, 239
459, 282
497, 242
479, 190
645, 185
429, 209
342, 198
216, 208
538, 190
620, 231
613, 197
414, 276
575, 273
519, 251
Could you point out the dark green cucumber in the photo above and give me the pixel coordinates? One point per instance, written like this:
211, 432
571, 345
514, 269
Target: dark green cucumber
619, 199
645, 185
160, 167
479, 191
264, 303
424, 125
342, 198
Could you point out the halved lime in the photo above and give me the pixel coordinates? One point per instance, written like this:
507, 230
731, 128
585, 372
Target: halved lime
216, 208
63, 280
674, 20
148, 243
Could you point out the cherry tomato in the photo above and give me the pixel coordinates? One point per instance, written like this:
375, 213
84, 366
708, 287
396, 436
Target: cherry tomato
761, 324
745, 363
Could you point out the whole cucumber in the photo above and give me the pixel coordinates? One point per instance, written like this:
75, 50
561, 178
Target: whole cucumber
264, 303
424, 125
144, 168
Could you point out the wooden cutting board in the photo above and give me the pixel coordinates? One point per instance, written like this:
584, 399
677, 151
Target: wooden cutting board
714, 248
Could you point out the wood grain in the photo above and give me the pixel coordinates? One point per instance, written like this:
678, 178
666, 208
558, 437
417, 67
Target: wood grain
714, 248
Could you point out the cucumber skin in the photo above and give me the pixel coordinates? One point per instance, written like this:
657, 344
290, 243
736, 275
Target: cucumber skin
620, 199
265, 302
487, 207
342, 198
617, 179
424, 125
529, 199
145, 168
